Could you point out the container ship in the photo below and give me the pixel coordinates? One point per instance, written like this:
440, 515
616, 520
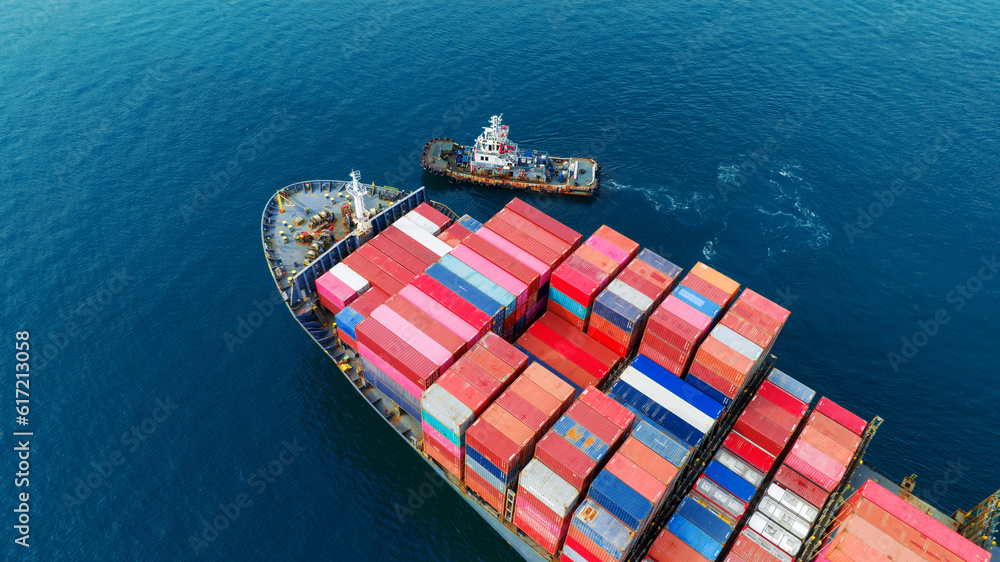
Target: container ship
494, 161
589, 399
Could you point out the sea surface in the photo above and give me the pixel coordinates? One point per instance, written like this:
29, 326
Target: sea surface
840, 157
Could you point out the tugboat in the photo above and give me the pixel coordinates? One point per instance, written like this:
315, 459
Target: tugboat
495, 161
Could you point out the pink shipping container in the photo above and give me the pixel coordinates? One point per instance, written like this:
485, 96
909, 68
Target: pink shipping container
840, 454
424, 344
390, 371
544, 271
834, 430
841, 415
608, 407
543, 220
814, 465
621, 257
494, 273
441, 313
427, 324
382, 344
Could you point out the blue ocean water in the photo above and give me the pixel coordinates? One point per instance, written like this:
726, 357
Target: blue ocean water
838, 157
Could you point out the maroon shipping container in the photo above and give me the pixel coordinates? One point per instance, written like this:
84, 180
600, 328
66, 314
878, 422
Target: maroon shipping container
373, 273
775, 413
418, 251
541, 252
557, 361
570, 463
504, 351
565, 233
398, 254
839, 414
608, 407
786, 401
393, 350
428, 325
551, 241
762, 432
580, 339
595, 423
386, 264
801, 486
524, 411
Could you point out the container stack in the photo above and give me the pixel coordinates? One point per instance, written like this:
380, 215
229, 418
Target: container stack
361, 308
727, 358
577, 282
566, 460
620, 311
786, 513
338, 287
875, 524
454, 235
626, 495
575, 356
500, 442
679, 325
461, 395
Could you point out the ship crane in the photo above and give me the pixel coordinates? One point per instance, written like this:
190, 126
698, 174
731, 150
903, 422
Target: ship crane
358, 192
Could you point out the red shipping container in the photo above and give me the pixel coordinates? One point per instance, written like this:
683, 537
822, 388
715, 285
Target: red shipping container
539, 251
747, 311
398, 254
572, 319
662, 360
713, 380
537, 397
496, 447
538, 233
649, 272
575, 540
839, 414
462, 390
706, 289
787, 478
369, 301
827, 446
439, 219
674, 330
347, 340
647, 486
894, 527
646, 458
493, 365
786, 401
595, 423
587, 362
775, 413
834, 430
595, 330
523, 411
814, 465
386, 264
428, 325
749, 452
575, 336
609, 330
664, 348
621, 242
579, 280
447, 298
608, 266
551, 383
439, 452
766, 306
724, 360
747, 329
752, 547
570, 463
478, 485
532, 525
557, 361
762, 432
375, 275
418, 251
520, 271
505, 351
668, 548
476, 376
608, 407
393, 350
550, 224
858, 536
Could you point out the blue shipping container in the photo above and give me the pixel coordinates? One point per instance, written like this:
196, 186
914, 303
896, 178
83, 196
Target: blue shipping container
391, 389
663, 444
347, 319
666, 267
482, 282
697, 301
620, 500
658, 414
694, 537
464, 289
569, 304
792, 386
705, 519
618, 311
607, 532
581, 438
485, 464
479, 469
444, 431
471, 224
678, 387
708, 389
729, 480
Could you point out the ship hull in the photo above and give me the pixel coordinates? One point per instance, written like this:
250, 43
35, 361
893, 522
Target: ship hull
431, 161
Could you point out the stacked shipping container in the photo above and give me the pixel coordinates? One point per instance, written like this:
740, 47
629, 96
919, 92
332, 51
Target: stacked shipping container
575, 356
875, 524
500, 442
681, 322
620, 311
461, 395
577, 282
566, 460
727, 358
